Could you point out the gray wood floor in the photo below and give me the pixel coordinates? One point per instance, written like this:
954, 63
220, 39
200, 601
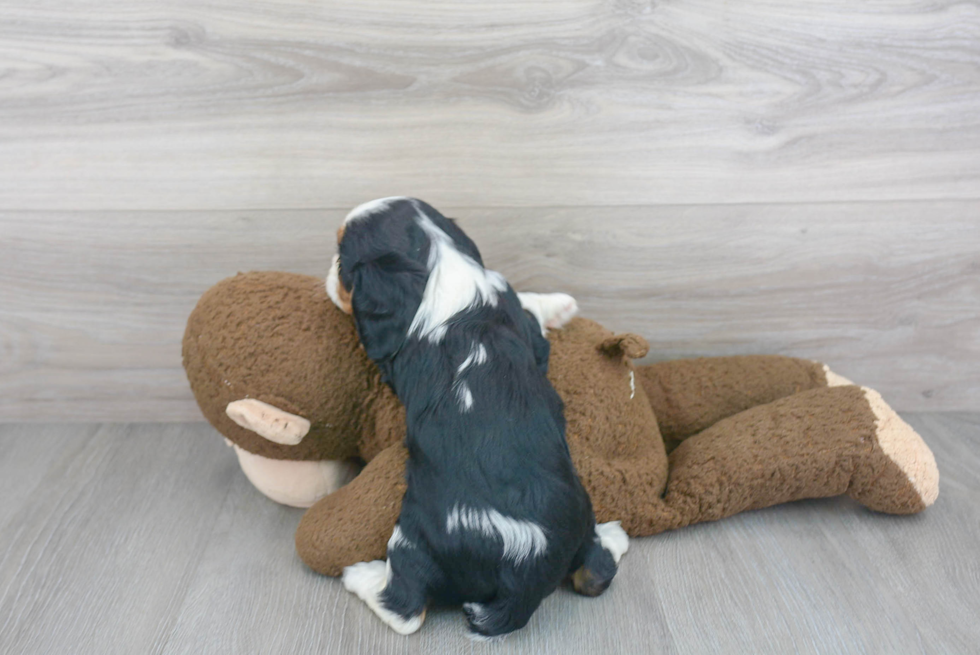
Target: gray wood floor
146, 538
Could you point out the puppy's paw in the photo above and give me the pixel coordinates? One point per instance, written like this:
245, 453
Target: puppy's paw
613, 538
366, 580
560, 309
553, 310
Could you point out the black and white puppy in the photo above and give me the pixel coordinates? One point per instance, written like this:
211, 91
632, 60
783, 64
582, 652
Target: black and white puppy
494, 516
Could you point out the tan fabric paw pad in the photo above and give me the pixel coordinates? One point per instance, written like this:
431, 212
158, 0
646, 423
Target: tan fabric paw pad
903, 446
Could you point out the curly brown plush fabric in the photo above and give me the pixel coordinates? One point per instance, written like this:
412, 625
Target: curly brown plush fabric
264, 336
741, 432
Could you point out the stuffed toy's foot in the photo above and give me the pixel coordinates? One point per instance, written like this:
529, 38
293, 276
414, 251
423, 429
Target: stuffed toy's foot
905, 478
823, 442
833, 380
296, 483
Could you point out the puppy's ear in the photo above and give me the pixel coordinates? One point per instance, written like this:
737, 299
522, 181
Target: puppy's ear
385, 295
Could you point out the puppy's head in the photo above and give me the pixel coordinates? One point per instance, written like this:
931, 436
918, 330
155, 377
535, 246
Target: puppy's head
382, 267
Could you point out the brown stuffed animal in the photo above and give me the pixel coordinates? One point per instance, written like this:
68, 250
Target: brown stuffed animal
277, 369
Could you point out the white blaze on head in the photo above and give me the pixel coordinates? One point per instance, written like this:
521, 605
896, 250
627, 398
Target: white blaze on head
371, 207
456, 282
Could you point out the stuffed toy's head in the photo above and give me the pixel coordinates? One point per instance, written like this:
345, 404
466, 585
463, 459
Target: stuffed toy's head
276, 339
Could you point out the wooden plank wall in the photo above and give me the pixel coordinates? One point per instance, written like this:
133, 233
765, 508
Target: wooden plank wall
761, 176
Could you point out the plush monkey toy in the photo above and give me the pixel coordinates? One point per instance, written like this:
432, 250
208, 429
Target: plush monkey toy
277, 369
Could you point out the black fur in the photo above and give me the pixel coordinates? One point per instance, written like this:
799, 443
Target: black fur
507, 452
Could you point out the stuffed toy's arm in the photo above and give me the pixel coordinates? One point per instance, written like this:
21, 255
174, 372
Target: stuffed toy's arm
354, 523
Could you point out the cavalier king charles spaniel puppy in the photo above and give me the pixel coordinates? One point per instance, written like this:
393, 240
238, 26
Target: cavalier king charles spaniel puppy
494, 516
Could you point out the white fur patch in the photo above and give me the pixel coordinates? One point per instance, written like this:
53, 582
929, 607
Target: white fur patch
367, 580
465, 396
478, 616
333, 282
399, 540
552, 310
478, 355
477, 613
613, 538
456, 282
522, 539
371, 207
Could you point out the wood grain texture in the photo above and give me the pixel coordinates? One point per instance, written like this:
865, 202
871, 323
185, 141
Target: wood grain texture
146, 539
97, 558
95, 303
184, 104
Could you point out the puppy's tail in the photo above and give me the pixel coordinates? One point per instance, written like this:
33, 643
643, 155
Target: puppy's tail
501, 615
600, 557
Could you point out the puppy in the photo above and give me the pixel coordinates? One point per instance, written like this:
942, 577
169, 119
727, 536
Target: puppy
494, 516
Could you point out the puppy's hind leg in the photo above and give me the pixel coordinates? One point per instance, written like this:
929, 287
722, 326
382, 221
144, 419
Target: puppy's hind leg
396, 590
599, 558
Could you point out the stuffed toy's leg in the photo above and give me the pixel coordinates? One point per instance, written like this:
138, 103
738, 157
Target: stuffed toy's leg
819, 443
690, 395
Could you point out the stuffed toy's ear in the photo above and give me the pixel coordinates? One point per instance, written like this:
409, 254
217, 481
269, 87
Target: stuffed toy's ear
631, 345
385, 295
